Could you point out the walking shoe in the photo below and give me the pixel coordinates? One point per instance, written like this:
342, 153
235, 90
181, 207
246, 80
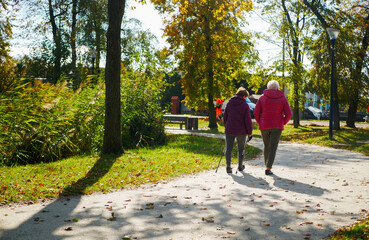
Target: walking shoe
241, 168
229, 170
268, 172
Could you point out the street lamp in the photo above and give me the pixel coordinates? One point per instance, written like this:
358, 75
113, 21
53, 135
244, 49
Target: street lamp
333, 34
93, 56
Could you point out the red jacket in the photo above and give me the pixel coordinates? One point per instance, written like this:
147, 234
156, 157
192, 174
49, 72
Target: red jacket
272, 110
237, 117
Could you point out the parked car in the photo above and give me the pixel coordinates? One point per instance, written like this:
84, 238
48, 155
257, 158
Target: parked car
314, 113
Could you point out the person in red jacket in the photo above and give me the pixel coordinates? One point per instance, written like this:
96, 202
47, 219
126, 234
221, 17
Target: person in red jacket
237, 121
218, 108
272, 112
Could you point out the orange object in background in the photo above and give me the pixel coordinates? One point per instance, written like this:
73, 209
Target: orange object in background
218, 111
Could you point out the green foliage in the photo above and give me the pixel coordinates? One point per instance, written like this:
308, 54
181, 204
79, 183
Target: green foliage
7, 76
142, 121
43, 123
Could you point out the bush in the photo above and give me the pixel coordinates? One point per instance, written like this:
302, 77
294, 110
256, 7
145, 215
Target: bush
142, 115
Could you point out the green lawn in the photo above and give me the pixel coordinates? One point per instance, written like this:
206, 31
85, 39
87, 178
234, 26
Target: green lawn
87, 174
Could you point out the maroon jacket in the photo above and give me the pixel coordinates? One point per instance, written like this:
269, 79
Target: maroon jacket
237, 117
272, 110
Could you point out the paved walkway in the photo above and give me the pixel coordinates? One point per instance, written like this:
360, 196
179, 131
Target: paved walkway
314, 191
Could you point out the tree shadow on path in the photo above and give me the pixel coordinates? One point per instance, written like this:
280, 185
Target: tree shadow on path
57, 213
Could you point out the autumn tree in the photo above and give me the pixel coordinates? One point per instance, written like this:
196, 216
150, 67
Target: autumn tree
112, 127
352, 17
210, 46
290, 20
6, 61
93, 21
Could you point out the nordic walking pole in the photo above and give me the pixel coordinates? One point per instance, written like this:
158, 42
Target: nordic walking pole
220, 158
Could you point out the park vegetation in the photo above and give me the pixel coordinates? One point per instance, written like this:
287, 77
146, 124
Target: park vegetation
59, 108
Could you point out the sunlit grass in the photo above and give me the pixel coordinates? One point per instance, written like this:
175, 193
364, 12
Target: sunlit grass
359, 230
88, 174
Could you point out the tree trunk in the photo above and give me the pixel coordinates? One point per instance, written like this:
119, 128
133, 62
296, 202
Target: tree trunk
357, 77
112, 133
210, 79
73, 44
351, 114
57, 41
98, 46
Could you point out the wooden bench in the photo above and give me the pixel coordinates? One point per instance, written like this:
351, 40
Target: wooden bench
190, 122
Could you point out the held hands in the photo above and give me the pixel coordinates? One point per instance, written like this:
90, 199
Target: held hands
249, 137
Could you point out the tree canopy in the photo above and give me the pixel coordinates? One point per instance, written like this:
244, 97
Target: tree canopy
206, 38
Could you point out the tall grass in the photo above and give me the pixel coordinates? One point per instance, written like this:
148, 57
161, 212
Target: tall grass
45, 122
42, 123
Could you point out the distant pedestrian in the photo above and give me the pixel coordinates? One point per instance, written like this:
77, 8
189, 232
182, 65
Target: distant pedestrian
272, 112
238, 125
218, 108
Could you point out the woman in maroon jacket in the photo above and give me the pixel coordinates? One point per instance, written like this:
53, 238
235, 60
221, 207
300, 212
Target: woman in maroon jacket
237, 121
272, 112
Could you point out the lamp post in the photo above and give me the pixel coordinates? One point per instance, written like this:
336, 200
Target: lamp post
333, 34
93, 53
93, 62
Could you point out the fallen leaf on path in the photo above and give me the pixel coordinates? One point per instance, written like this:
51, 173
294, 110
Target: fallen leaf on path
247, 229
149, 206
209, 219
232, 233
68, 229
306, 223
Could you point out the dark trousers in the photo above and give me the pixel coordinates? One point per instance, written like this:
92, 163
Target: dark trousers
271, 139
241, 140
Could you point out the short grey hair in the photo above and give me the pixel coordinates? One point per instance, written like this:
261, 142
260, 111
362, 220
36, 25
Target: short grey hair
273, 85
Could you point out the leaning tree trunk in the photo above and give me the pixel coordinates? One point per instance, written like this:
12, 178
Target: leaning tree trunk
57, 41
112, 133
73, 44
